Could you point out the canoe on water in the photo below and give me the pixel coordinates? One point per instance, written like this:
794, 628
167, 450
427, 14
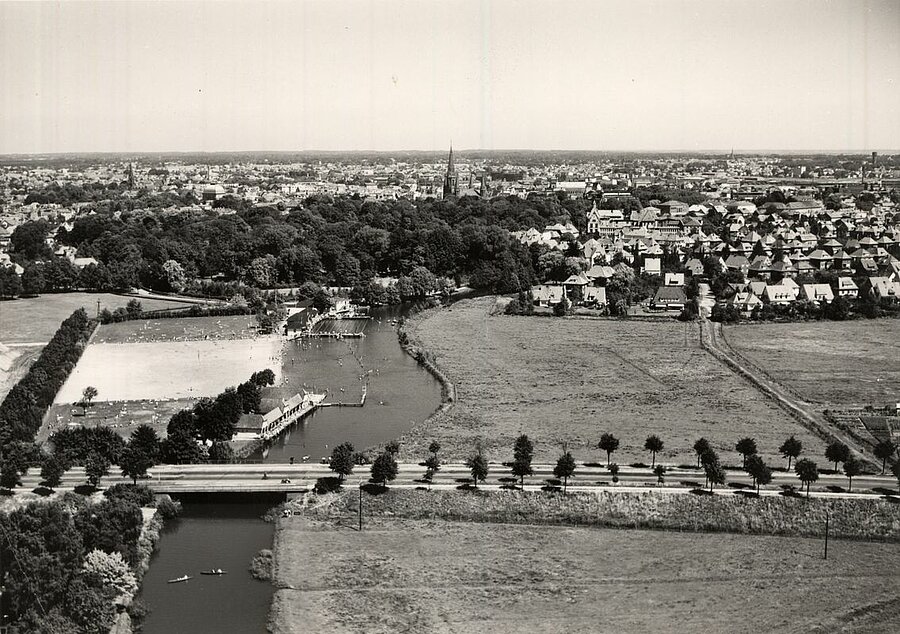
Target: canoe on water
180, 579
215, 571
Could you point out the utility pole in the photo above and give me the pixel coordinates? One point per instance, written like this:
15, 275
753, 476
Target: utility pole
360, 506
98, 309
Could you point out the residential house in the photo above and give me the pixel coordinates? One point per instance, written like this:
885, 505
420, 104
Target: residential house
547, 294
674, 279
594, 296
669, 298
817, 293
846, 287
778, 294
884, 288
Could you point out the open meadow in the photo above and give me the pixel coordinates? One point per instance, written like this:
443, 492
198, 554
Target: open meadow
27, 324
181, 329
461, 578
570, 380
35, 319
849, 363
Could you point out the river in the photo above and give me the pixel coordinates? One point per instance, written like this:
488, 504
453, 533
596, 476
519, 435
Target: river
400, 392
209, 535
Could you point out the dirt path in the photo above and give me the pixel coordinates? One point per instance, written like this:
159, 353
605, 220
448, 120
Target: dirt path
713, 340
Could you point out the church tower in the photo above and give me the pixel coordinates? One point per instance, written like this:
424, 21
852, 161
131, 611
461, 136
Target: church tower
451, 178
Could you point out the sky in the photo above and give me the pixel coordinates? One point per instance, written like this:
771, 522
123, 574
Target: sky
639, 75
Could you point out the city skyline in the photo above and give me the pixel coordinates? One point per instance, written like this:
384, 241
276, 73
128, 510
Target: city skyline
691, 76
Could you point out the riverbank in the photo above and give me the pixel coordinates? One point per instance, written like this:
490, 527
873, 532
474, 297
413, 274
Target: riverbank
511, 562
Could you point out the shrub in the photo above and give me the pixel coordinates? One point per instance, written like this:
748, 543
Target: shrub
136, 494
167, 507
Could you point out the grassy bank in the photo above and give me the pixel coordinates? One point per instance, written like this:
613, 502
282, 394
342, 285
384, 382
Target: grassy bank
799, 517
445, 575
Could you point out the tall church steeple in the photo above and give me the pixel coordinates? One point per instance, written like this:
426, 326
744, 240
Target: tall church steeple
451, 179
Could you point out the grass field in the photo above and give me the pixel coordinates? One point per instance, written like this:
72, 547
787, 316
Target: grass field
121, 416
181, 329
834, 363
570, 380
456, 577
26, 325
35, 319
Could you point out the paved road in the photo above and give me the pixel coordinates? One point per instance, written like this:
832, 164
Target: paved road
239, 477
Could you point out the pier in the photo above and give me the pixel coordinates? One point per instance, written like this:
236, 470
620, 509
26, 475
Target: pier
362, 401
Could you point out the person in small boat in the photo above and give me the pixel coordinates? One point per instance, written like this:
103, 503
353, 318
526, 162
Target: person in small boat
265, 476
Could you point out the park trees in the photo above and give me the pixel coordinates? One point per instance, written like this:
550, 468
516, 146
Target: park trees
384, 468
10, 283
342, 460
53, 467
87, 396
837, 452
884, 451
565, 467
807, 471
609, 444
33, 282
791, 449
96, 468
523, 453
478, 467
746, 447
221, 452
701, 446
852, 467
653, 444
147, 440
135, 462
393, 447
110, 571
113, 525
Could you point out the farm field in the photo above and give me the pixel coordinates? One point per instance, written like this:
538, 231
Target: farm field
441, 576
570, 380
851, 363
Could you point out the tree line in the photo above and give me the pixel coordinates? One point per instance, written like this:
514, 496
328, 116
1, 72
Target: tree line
23, 409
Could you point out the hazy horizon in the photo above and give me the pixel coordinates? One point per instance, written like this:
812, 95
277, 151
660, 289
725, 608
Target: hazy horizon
650, 76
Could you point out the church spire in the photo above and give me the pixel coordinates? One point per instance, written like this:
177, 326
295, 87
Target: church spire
451, 180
